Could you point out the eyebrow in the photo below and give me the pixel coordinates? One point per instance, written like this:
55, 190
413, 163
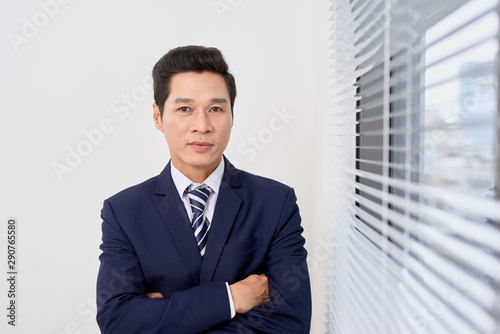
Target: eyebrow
187, 100
182, 100
218, 100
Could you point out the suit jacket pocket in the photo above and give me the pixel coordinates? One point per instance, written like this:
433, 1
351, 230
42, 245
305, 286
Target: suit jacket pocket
244, 246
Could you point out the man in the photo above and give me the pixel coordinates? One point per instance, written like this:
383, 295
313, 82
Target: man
202, 247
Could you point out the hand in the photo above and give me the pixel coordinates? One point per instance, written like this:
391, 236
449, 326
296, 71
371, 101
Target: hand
250, 292
154, 295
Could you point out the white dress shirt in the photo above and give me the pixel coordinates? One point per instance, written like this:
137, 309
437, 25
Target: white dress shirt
213, 181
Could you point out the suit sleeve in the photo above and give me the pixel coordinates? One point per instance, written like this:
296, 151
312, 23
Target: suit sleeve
123, 307
289, 310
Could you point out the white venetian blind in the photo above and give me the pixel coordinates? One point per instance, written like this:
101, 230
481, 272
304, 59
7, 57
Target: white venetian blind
416, 210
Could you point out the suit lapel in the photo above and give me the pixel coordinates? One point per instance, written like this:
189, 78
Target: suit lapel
226, 209
175, 217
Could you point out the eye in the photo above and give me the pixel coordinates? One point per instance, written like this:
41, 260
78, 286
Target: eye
215, 109
185, 109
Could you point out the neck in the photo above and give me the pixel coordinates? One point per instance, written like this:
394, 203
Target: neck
197, 176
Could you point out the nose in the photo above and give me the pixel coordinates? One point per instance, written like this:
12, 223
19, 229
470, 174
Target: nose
201, 122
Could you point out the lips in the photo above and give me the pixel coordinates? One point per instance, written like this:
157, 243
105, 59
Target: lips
200, 146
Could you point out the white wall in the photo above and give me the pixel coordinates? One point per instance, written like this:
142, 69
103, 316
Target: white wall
68, 66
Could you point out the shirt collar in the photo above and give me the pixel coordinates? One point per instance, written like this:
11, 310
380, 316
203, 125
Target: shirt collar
181, 181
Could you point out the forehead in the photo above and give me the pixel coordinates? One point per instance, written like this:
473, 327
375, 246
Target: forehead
198, 85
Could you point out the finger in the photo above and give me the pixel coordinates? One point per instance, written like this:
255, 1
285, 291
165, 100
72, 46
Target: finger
154, 295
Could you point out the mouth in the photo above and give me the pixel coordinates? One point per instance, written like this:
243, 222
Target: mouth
200, 146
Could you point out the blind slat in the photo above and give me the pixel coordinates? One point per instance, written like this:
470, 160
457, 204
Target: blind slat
484, 293
489, 208
415, 121
479, 318
461, 298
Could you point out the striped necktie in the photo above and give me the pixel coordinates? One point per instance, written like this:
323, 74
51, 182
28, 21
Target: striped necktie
200, 224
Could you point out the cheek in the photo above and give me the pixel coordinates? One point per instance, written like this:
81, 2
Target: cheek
171, 132
173, 126
227, 133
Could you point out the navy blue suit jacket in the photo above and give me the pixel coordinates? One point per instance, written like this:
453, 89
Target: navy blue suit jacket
148, 245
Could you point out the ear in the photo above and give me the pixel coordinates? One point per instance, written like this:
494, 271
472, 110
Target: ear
157, 117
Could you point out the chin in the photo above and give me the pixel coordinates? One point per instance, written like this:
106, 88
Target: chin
204, 162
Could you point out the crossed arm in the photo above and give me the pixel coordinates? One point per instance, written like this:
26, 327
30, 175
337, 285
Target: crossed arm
248, 293
277, 301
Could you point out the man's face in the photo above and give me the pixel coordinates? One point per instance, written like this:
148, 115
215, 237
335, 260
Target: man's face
196, 121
